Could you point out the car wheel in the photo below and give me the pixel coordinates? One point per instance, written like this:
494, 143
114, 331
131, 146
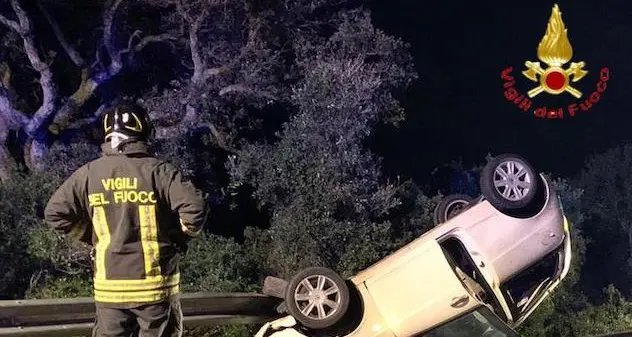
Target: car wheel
509, 182
450, 206
317, 298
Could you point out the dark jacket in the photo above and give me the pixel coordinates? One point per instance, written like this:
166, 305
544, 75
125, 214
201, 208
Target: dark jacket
136, 211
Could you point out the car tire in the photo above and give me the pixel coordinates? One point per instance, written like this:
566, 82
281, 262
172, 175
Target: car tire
450, 206
510, 183
314, 287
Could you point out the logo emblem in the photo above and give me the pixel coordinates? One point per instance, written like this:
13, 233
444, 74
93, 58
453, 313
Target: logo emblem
555, 50
554, 76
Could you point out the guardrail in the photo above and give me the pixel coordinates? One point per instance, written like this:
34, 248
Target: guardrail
75, 316
617, 334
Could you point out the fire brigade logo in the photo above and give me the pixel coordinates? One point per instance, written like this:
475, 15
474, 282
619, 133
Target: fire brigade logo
554, 78
555, 50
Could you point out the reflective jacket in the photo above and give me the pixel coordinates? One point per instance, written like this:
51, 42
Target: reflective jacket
136, 211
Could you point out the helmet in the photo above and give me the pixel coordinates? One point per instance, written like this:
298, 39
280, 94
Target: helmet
126, 122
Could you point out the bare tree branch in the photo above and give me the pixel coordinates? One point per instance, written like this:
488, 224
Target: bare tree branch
219, 139
153, 38
72, 52
233, 88
71, 109
49, 89
14, 119
240, 88
144, 42
97, 55
24, 21
169, 132
183, 12
200, 73
108, 22
210, 72
196, 57
10, 23
135, 34
190, 117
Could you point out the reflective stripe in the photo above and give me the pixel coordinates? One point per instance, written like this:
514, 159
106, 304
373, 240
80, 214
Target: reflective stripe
149, 240
136, 296
103, 236
154, 286
140, 285
566, 225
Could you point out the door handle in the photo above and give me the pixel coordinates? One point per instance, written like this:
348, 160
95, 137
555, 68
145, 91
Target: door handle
460, 301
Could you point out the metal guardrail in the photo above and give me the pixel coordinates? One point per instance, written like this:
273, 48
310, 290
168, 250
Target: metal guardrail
75, 316
617, 334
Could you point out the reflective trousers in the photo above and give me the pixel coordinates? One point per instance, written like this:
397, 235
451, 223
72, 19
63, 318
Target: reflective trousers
150, 320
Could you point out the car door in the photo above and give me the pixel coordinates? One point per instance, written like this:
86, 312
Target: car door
417, 289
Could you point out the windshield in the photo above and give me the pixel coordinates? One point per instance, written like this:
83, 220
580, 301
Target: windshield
526, 287
479, 323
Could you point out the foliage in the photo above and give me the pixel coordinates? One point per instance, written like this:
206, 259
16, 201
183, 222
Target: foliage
615, 315
605, 180
22, 200
325, 191
218, 264
61, 287
62, 254
573, 202
64, 159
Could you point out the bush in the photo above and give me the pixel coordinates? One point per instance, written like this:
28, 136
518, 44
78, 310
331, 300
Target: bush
62, 287
17, 219
615, 315
218, 264
59, 252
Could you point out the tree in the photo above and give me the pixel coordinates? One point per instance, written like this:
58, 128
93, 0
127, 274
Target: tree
235, 50
330, 206
614, 315
56, 108
255, 67
608, 200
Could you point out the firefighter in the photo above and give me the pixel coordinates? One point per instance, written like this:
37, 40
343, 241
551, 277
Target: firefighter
137, 212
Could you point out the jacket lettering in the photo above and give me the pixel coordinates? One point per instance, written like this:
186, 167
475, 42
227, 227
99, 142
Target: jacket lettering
120, 183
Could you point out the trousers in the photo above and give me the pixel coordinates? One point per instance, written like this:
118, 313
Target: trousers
151, 320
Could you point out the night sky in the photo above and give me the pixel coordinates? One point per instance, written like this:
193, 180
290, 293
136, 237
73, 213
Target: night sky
457, 107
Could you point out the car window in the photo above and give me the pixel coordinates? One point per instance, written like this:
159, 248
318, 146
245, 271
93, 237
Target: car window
525, 287
479, 323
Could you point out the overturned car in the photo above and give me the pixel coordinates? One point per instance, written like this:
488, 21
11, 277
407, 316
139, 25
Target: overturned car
481, 271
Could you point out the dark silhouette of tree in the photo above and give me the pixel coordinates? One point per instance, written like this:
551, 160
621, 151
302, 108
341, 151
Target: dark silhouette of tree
53, 112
